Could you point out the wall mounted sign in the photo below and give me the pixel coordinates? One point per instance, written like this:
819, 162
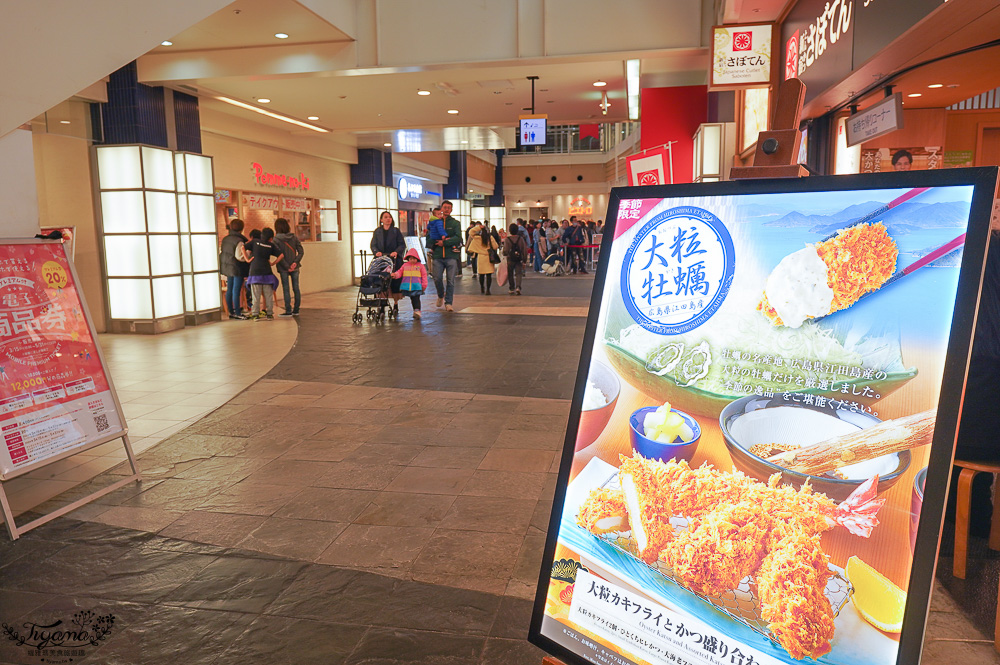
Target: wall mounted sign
825, 40
409, 188
262, 177
876, 120
223, 195
741, 55
733, 360
581, 207
260, 202
879, 22
817, 35
295, 205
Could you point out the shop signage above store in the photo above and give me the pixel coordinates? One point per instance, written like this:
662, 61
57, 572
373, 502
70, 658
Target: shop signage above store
876, 120
581, 207
262, 177
741, 55
409, 189
879, 22
817, 37
825, 40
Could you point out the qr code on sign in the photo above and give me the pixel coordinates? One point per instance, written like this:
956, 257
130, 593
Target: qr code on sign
102, 423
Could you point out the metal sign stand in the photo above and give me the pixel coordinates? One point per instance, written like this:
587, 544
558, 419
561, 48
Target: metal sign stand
778, 149
12, 528
15, 531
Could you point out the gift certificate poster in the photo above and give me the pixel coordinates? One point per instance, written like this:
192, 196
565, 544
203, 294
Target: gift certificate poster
54, 393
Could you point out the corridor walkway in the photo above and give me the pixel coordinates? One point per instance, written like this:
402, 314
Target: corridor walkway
380, 496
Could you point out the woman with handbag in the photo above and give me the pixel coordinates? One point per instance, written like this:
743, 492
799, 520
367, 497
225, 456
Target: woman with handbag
484, 248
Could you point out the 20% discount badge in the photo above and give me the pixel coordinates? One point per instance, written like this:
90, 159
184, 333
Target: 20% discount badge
54, 275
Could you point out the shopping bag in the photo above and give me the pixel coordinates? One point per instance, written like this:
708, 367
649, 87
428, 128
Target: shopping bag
502, 273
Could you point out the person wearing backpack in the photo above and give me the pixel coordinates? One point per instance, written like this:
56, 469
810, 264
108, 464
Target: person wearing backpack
516, 251
232, 268
288, 267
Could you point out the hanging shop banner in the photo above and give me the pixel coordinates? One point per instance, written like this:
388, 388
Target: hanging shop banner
650, 167
761, 434
55, 395
741, 55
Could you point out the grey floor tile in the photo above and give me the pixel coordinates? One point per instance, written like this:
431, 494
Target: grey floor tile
425, 480
375, 547
406, 509
213, 528
487, 513
450, 457
235, 584
276, 640
510, 652
301, 540
510, 484
349, 475
440, 608
325, 593
389, 646
456, 552
327, 504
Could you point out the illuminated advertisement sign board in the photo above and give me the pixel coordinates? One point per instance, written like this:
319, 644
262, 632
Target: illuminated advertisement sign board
762, 428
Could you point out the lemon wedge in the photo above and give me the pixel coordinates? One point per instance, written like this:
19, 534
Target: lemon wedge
876, 598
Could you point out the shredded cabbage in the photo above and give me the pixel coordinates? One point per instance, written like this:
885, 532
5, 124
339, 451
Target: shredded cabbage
754, 335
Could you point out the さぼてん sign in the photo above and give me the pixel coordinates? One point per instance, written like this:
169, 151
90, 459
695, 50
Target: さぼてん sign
741, 55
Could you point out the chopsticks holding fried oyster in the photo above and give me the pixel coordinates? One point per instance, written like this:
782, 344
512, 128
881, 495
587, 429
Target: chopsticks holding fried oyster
738, 527
829, 276
835, 273
891, 436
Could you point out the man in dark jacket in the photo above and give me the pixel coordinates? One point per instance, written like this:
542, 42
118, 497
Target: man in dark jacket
288, 267
233, 270
447, 253
577, 238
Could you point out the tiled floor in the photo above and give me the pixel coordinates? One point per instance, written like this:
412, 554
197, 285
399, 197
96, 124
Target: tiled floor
380, 496
165, 383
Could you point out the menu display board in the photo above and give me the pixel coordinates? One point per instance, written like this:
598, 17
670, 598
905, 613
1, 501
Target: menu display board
762, 429
55, 396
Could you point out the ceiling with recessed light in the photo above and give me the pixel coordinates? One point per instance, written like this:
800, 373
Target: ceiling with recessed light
350, 82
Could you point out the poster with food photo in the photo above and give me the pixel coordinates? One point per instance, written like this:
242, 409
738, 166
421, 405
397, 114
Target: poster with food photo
769, 387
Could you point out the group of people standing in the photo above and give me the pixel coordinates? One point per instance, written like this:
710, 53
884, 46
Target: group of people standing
250, 262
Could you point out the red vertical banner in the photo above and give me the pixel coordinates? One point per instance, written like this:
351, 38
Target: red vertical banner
55, 394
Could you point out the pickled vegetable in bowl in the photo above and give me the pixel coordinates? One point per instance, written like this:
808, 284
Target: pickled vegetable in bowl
731, 357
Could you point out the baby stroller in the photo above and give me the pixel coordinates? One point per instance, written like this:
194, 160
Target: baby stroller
553, 266
373, 293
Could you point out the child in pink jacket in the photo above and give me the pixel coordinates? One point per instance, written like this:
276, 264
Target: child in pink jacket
414, 276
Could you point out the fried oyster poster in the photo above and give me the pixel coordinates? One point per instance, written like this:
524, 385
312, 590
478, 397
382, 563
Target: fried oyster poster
756, 425
54, 394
